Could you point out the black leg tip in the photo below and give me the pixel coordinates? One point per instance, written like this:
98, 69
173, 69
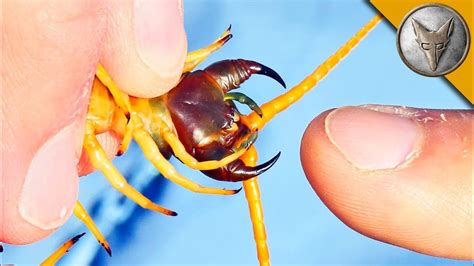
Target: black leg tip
76, 238
109, 251
227, 38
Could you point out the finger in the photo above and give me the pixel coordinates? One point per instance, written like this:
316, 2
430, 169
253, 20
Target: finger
145, 46
50, 50
395, 174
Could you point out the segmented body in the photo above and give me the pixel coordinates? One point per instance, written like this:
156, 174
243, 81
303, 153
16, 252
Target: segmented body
106, 115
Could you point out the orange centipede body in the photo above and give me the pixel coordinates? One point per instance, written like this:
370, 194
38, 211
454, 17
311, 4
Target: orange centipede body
197, 122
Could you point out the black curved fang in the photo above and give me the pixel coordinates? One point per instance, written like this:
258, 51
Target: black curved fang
252, 171
229, 74
266, 71
237, 171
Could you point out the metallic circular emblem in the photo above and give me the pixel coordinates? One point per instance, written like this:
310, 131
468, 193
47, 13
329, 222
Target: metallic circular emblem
433, 40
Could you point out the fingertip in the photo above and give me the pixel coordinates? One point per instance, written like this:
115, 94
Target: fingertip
51, 183
146, 47
159, 35
386, 192
310, 149
49, 190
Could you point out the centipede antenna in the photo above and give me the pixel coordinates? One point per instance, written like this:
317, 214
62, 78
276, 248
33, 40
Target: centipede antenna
285, 100
272, 108
252, 194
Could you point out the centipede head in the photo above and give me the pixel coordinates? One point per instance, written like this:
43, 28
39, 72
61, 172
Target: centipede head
207, 120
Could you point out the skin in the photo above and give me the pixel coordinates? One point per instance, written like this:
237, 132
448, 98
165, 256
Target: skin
416, 192
50, 55
50, 52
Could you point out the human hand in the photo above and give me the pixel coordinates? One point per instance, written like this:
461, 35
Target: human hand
398, 175
50, 53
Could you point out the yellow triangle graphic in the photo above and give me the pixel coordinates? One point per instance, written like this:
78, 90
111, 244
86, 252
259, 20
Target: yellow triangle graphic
395, 11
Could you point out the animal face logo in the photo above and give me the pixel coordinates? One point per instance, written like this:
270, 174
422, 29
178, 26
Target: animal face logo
433, 43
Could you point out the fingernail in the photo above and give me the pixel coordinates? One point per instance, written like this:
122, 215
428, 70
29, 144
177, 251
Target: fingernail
51, 183
370, 139
160, 35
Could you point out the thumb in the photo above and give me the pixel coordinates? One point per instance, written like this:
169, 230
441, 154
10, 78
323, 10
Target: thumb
145, 46
51, 54
399, 175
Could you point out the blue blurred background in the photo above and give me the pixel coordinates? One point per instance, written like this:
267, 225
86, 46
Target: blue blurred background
293, 37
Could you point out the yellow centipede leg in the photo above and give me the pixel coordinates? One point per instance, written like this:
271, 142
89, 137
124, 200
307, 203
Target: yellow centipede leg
152, 153
275, 106
59, 253
127, 137
81, 213
181, 153
123, 101
120, 98
252, 193
100, 162
194, 58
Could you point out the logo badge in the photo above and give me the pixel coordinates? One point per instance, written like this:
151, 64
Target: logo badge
433, 40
